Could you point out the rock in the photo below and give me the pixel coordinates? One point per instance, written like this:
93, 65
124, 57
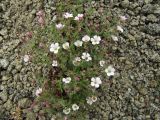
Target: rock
1, 39
33, 12
8, 105
132, 38
138, 10
3, 97
147, 8
152, 18
158, 44
153, 83
31, 116
3, 32
5, 78
129, 118
143, 19
152, 29
143, 91
148, 1
2, 111
24, 103
112, 103
4, 63
134, 22
157, 11
125, 3
133, 6
16, 77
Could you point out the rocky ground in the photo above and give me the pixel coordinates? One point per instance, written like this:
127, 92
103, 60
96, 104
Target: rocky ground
133, 94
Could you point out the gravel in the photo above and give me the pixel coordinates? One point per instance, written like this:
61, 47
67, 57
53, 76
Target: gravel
132, 94
4, 63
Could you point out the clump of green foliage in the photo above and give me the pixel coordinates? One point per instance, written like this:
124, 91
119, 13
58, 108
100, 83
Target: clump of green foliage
57, 94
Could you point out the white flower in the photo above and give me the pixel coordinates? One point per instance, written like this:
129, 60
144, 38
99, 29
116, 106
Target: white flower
89, 100
95, 82
123, 18
110, 71
78, 17
26, 58
66, 111
119, 28
76, 60
54, 47
94, 98
102, 62
114, 38
66, 80
86, 38
95, 40
38, 91
68, 15
86, 56
54, 63
75, 107
78, 43
59, 26
66, 45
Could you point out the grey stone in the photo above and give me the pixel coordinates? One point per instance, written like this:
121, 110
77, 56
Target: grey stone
5, 78
24, 103
19, 86
31, 116
4, 63
152, 29
3, 97
129, 118
125, 3
16, 77
1, 39
3, 32
131, 13
8, 105
132, 38
147, 1
143, 91
113, 103
137, 10
133, 5
158, 44
134, 22
147, 8
152, 18
138, 56
157, 11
